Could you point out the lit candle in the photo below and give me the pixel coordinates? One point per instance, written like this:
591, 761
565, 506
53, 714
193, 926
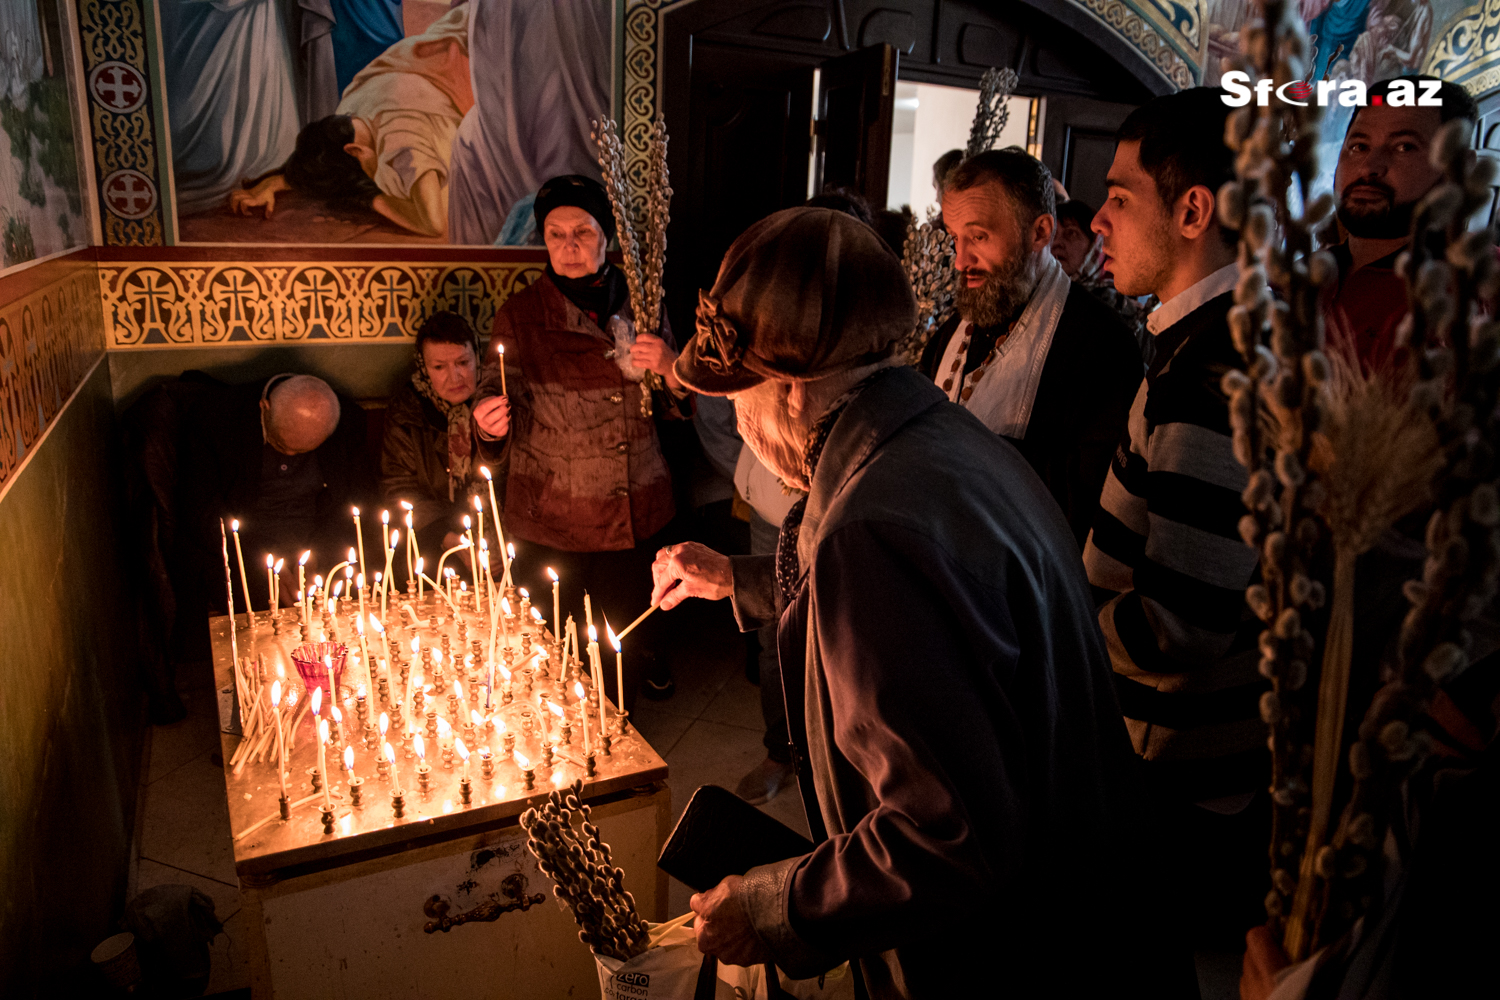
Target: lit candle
234, 526
317, 587
276, 576
411, 674
420, 578
390, 555
583, 713
271, 580
463, 753
333, 688
390, 755
448, 576
510, 557
323, 762
495, 510
359, 539
502, 369
385, 724
338, 720
483, 566
349, 761
359, 582
614, 640
333, 601
385, 529
302, 582
596, 671
410, 556
380, 643
333, 573
556, 605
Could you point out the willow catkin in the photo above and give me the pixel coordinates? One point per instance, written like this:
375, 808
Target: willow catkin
992, 111
577, 861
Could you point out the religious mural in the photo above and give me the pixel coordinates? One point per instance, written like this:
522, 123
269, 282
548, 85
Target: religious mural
41, 203
378, 121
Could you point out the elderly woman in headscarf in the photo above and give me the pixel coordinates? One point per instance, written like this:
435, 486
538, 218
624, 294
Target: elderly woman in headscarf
588, 491
431, 455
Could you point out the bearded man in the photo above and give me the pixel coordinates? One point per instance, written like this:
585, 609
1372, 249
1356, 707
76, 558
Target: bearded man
1383, 171
1034, 356
948, 692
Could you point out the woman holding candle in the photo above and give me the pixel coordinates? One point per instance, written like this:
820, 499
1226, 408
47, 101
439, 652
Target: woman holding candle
431, 455
588, 490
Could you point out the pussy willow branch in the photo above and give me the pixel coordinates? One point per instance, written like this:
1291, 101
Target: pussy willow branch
1281, 340
993, 110
927, 256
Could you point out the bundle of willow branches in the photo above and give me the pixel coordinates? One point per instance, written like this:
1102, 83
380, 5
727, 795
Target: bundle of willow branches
578, 862
927, 256
641, 228
1276, 406
1454, 351
995, 88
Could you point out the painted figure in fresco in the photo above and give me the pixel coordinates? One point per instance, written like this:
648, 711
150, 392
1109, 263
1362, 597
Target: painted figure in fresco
231, 95
388, 146
362, 30
545, 76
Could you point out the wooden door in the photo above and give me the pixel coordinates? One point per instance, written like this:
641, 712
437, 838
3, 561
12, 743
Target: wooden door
1078, 143
856, 112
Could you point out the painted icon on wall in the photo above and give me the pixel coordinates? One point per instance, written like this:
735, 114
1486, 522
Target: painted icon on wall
41, 202
378, 121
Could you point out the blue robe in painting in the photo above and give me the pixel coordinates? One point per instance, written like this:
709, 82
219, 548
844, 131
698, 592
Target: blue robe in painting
1340, 24
362, 30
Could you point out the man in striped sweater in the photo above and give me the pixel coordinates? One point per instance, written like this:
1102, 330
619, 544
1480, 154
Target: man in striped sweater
1165, 544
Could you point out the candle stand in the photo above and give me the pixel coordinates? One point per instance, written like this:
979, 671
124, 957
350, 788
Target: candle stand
334, 896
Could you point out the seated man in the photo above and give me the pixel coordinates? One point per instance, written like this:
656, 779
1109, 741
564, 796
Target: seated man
284, 456
1383, 171
1038, 360
946, 685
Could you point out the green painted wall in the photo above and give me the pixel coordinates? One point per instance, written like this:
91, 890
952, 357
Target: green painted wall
364, 371
71, 709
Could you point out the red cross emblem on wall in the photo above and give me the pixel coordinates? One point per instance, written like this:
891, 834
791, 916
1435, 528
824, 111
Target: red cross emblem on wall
129, 194
117, 87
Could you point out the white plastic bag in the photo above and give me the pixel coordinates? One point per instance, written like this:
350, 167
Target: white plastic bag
670, 970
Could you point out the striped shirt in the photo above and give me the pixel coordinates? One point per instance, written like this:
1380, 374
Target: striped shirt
1166, 544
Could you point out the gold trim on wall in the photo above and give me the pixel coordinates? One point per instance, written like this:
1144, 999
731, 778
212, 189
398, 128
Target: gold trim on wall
50, 336
158, 304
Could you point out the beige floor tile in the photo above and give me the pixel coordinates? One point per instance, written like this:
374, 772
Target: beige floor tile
231, 963
174, 745
186, 823
736, 704
662, 729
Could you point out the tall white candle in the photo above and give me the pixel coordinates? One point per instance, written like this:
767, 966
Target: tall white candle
359, 540
302, 582
234, 526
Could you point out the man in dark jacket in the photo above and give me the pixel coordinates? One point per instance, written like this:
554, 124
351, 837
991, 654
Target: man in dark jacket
285, 456
960, 748
1033, 355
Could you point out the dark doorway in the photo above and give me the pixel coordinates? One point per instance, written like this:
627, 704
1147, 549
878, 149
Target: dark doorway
1078, 143
737, 85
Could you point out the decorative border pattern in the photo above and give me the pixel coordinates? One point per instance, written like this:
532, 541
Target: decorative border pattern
50, 336
127, 169
155, 304
1468, 47
1126, 21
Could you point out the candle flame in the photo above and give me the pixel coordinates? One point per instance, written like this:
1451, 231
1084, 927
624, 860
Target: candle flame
385, 723
328, 661
395, 536
500, 725
404, 505
444, 729
352, 555
390, 754
349, 575
421, 561
458, 690
501, 348
291, 697
463, 751
305, 556
578, 689
317, 701
317, 582
360, 691
234, 525
510, 548
270, 560
420, 746
593, 634
525, 594
408, 519
505, 675
338, 588
552, 573
279, 564
484, 545
522, 761
505, 605
275, 692
463, 586
359, 625
349, 758
385, 517
536, 614
478, 503
415, 648
338, 716
478, 719
484, 471
378, 576
359, 581
448, 571
556, 709
356, 511
468, 522
323, 731
375, 624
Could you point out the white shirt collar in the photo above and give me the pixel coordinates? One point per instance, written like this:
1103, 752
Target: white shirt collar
1184, 302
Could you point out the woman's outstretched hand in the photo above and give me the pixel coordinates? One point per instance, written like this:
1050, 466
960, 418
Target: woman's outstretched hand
492, 416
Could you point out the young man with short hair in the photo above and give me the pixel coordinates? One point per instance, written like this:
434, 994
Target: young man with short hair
1166, 543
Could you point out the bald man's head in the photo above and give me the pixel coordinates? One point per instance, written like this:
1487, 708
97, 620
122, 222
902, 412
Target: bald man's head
299, 414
